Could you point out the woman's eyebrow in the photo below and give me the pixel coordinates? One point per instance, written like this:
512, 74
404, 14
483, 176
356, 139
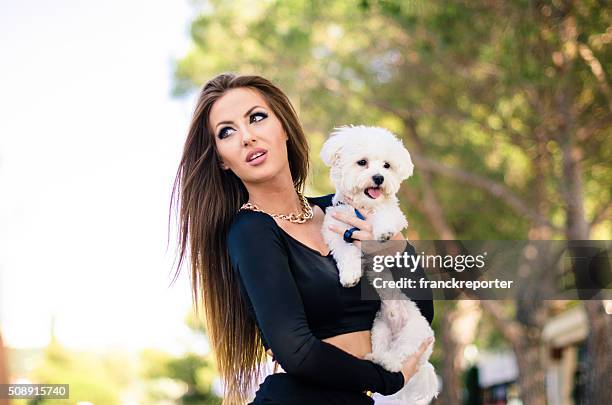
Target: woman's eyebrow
245, 114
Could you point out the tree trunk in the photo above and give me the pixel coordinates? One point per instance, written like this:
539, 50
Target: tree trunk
532, 376
451, 391
595, 369
532, 311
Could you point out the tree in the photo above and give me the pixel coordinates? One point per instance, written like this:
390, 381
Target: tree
193, 371
89, 375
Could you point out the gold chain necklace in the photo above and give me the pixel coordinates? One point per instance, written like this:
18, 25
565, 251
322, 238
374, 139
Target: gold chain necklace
300, 218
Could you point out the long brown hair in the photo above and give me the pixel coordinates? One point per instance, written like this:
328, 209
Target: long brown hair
209, 198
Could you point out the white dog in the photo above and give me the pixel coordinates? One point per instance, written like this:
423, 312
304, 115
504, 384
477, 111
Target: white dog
367, 165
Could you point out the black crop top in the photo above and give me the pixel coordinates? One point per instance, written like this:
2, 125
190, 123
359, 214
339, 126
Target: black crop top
294, 294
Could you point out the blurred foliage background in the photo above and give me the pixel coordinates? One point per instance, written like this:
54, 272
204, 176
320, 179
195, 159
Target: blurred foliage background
151, 376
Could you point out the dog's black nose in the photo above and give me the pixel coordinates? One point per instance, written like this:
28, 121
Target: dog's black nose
378, 179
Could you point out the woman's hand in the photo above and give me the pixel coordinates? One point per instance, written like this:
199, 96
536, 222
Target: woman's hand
364, 225
411, 365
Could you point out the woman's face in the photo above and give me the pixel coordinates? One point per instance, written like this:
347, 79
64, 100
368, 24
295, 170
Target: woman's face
243, 124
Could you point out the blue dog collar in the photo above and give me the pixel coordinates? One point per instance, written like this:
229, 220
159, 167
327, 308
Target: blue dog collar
348, 234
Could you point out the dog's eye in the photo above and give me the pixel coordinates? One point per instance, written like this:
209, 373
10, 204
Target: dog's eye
362, 162
386, 165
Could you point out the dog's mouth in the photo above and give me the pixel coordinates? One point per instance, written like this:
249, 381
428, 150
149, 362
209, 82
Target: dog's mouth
373, 192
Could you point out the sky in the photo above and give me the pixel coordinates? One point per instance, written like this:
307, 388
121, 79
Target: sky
90, 141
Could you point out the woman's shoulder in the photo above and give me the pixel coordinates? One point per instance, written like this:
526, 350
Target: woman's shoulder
323, 201
252, 233
248, 224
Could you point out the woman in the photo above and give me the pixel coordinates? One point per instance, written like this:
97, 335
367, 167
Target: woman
258, 261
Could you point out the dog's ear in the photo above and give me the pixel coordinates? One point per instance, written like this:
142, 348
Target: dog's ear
332, 147
406, 166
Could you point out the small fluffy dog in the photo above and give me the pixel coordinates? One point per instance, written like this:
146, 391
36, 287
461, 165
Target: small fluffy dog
367, 165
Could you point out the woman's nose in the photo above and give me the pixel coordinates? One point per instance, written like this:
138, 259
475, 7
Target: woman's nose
247, 136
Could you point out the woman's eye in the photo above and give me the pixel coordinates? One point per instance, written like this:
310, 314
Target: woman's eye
362, 162
222, 132
264, 115
386, 165
261, 114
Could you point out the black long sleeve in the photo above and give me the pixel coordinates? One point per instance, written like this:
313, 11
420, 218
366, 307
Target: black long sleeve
260, 259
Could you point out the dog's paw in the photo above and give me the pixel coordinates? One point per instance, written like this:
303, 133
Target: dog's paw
349, 280
349, 276
385, 236
369, 356
349, 269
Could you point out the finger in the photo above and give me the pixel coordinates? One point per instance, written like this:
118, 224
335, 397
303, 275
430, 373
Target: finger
362, 235
334, 228
419, 353
424, 345
337, 229
416, 356
349, 201
352, 220
357, 235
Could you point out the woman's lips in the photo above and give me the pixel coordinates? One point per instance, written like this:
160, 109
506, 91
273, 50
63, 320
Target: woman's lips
258, 160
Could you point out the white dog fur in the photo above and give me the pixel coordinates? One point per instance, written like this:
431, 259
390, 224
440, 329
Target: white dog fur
357, 156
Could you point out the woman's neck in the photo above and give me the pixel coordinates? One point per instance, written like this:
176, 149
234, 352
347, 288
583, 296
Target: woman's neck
280, 198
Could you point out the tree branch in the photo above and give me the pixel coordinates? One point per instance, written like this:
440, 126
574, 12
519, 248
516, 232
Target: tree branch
494, 188
585, 132
508, 327
589, 58
601, 214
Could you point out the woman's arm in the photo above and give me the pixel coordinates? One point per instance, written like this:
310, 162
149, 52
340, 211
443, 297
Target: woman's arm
260, 259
